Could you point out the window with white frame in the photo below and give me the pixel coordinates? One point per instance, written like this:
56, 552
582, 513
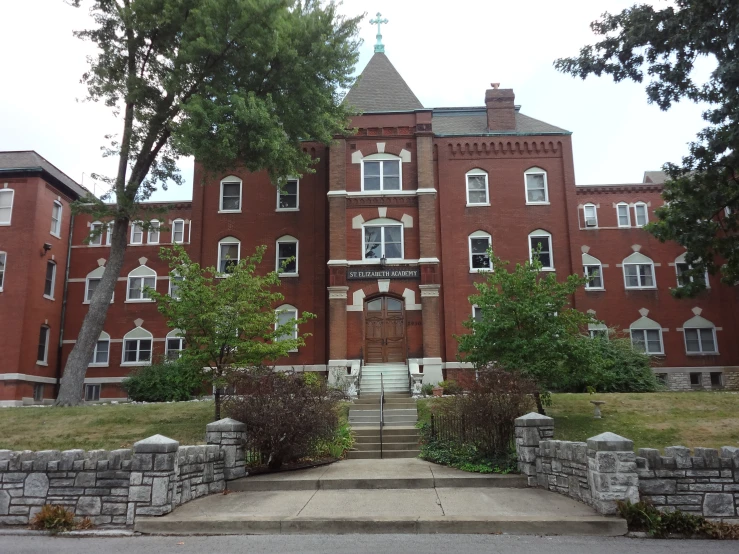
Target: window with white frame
700, 336
174, 285
139, 280
476, 313
646, 336
178, 231
56, 219
137, 347
590, 215
153, 232
286, 263
641, 214
536, 186
623, 215
137, 233
92, 392
287, 315
229, 251
109, 233
593, 271
383, 241
101, 354
96, 234
42, 355
50, 280
381, 172
541, 241
92, 281
597, 331
477, 188
479, 244
639, 272
3, 260
682, 268
174, 345
231, 194
6, 206
287, 196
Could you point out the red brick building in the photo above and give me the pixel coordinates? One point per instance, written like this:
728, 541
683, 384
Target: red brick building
389, 236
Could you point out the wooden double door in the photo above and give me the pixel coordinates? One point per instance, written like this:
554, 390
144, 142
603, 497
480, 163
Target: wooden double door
384, 334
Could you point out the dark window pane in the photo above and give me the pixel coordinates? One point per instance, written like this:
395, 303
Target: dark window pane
49, 283
374, 305
394, 305
42, 339
371, 176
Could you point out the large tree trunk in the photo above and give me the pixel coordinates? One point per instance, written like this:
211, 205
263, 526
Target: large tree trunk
73, 379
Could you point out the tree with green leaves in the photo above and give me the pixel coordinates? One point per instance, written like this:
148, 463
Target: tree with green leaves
702, 193
228, 320
227, 81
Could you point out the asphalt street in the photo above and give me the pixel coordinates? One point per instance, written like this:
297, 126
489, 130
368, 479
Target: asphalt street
360, 544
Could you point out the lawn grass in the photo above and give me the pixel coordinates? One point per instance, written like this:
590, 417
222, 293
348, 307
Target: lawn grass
651, 420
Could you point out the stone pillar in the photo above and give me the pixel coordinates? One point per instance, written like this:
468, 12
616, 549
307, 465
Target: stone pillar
230, 436
153, 483
612, 472
431, 334
337, 327
530, 430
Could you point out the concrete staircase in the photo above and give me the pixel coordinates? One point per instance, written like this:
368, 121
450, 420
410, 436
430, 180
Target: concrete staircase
394, 376
399, 434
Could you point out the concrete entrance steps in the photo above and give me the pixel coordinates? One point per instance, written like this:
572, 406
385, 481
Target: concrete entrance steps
382, 496
394, 377
399, 438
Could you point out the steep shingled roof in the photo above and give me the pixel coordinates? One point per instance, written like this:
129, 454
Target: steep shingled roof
474, 121
380, 88
28, 160
658, 177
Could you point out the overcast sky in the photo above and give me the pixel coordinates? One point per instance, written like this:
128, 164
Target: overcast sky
448, 56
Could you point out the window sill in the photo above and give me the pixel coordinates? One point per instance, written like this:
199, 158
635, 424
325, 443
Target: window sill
135, 244
538, 203
229, 211
548, 269
475, 205
96, 245
287, 209
145, 301
481, 270
134, 364
98, 365
49, 297
56, 236
376, 261
288, 275
595, 289
701, 354
45, 364
4, 224
640, 288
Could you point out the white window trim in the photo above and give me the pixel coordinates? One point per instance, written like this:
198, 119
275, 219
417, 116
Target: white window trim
231, 179
681, 260
58, 232
585, 215
138, 334
381, 158
99, 238
227, 240
640, 287
158, 228
109, 233
297, 197
140, 273
475, 307
174, 225
477, 172
479, 235
643, 330
539, 233
5, 269
12, 199
536, 171
135, 224
172, 280
600, 274
700, 343
383, 223
289, 308
173, 334
45, 361
646, 214
628, 215
53, 281
287, 239
103, 337
93, 386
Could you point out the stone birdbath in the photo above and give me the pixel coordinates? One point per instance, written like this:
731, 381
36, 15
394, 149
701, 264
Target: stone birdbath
597, 404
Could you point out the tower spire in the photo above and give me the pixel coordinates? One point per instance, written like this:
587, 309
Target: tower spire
379, 47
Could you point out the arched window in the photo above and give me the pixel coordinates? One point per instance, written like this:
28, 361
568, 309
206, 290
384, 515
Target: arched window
6, 206
646, 335
153, 232
286, 262
229, 254
174, 344
382, 172
174, 284
590, 215
682, 268
700, 336
137, 346
96, 234
383, 238
537, 189
138, 280
230, 194
477, 188
641, 214
287, 315
623, 215
541, 241
639, 272
91, 284
56, 219
178, 231
593, 271
101, 354
479, 243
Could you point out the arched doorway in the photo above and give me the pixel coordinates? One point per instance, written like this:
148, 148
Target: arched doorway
384, 330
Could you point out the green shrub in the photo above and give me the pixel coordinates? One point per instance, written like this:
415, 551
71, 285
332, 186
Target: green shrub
336, 445
427, 389
643, 516
451, 387
164, 381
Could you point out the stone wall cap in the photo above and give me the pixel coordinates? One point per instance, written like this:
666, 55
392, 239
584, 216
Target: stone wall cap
533, 419
226, 424
610, 442
156, 444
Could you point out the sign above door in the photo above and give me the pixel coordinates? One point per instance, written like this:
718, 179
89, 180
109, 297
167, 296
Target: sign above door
383, 273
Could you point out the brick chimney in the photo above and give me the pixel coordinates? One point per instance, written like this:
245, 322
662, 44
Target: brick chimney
500, 108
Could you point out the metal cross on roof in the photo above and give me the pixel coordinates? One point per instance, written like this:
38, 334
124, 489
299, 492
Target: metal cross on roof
379, 47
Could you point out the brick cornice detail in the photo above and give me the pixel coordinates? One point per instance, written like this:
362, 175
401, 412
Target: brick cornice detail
504, 147
611, 189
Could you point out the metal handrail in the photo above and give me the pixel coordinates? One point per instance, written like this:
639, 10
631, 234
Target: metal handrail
359, 377
382, 410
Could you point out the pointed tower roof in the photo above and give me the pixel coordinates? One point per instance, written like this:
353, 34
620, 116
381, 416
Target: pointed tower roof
380, 88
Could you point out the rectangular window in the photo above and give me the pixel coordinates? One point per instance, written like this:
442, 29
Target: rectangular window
386, 240
477, 314
178, 231
591, 215
647, 340
642, 218
3, 259
38, 392
477, 189
682, 279
231, 196
717, 380
700, 341
108, 233
136, 350
56, 219
96, 234
43, 345
479, 258
92, 285
544, 243
536, 188
175, 346
624, 218
594, 275
283, 318
50, 280
286, 251
100, 355
174, 287
92, 393
287, 197
6, 206
228, 256
695, 379
153, 233
381, 175
598, 333
639, 276
137, 233
136, 287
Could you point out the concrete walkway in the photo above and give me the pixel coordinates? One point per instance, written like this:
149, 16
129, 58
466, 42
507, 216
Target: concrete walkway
382, 496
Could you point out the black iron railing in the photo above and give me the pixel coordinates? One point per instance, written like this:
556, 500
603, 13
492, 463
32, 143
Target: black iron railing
382, 411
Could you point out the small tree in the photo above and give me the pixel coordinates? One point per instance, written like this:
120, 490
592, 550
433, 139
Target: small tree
228, 320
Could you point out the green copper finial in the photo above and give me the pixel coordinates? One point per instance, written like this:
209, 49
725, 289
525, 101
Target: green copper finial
379, 47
